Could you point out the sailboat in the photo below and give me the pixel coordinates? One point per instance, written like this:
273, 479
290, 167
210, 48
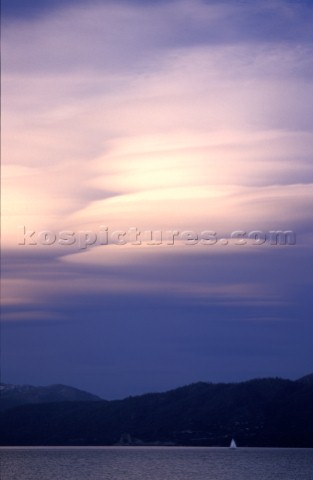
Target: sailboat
232, 444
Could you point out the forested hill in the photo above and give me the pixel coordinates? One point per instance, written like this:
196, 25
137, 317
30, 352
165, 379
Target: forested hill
263, 412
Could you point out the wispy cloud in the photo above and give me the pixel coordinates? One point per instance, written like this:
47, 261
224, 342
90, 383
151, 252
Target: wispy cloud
116, 115
186, 115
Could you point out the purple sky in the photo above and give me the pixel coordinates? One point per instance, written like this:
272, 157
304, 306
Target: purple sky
128, 116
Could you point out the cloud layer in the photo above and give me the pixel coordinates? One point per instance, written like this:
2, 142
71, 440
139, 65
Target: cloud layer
167, 115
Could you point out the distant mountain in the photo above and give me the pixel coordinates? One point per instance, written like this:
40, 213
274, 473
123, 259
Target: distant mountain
264, 412
307, 379
15, 395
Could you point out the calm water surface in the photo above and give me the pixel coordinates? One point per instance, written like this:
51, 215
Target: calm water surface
157, 463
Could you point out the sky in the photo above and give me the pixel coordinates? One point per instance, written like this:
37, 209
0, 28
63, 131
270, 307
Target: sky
148, 150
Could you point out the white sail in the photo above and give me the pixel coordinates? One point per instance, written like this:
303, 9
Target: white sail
233, 444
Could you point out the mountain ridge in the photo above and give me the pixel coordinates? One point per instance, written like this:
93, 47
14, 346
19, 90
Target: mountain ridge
269, 412
15, 395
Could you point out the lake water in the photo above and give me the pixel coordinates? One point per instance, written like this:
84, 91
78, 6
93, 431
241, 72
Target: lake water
155, 463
